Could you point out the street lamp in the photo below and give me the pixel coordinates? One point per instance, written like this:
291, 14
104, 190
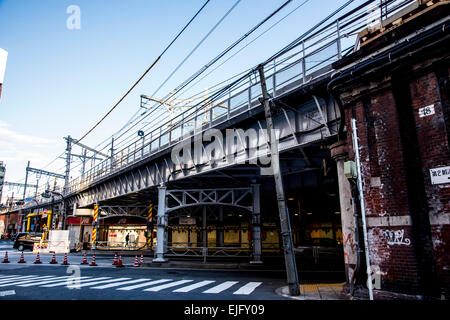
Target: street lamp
141, 133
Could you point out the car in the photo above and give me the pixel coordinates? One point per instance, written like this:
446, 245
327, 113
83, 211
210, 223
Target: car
26, 240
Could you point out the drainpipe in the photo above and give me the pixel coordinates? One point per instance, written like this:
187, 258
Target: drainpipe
362, 205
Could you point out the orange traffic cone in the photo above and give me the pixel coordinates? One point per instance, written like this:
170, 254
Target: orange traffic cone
119, 264
115, 260
22, 259
38, 260
65, 263
136, 262
93, 264
142, 258
5, 260
84, 259
53, 259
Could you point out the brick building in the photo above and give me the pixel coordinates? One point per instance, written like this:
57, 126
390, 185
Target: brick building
396, 87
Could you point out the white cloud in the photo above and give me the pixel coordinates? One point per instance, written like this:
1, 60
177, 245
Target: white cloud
14, 137
16, 149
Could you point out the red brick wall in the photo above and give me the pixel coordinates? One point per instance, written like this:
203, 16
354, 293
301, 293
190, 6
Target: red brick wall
383, 157
433, 144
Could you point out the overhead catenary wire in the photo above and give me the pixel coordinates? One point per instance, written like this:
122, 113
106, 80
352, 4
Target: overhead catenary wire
145, 73
217, 58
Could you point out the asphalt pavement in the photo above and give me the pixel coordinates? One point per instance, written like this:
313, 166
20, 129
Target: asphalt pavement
105, 281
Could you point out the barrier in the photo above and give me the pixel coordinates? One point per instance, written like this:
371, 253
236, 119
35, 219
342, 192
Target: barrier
65, 263
5, 260
119, 264
93, 264
53, 259
38, 259
84, 259
115, 259
22, 259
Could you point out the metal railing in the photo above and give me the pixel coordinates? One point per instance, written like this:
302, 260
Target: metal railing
184, 249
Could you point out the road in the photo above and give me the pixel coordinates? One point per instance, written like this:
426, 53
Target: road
106, 282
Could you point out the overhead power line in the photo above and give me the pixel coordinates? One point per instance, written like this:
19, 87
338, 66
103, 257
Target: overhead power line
145, 73
209, 64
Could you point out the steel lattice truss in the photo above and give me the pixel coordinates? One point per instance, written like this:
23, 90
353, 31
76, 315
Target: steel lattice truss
236, 197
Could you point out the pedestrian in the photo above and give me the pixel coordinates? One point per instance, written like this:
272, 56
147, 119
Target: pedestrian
127, 237
86, 239
132, 240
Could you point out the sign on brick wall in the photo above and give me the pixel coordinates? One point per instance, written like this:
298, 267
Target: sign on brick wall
426, 111
440, 175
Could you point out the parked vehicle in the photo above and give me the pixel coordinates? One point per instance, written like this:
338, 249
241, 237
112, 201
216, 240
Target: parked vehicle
26, 240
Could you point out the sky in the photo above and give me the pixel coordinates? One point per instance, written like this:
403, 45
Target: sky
60, 80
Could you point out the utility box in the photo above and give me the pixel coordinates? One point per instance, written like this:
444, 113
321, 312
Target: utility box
350, 170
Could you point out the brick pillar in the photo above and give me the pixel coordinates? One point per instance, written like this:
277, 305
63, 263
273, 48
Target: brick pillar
339, 152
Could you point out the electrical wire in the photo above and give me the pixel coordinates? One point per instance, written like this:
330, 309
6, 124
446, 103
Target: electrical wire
218, 57
145, 73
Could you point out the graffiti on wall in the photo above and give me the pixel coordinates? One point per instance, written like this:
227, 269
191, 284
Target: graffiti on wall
396, 237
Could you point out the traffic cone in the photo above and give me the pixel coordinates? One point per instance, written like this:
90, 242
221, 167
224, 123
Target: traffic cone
93, 264
119, 264
53, 259
136, 262
65, 263
115, 260
5, 260
38, 259
22, 259
142, 258
84, 259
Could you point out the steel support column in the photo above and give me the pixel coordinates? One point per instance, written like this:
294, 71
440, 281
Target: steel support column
256, 225
161, 226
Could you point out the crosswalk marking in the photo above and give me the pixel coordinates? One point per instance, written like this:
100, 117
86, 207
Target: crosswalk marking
168, 285
93, 283
19, 278
221, 287
9, 276
118, 284
194, 286
145, 284
126, 284
17, 282
65, 282
57, 279
248, 288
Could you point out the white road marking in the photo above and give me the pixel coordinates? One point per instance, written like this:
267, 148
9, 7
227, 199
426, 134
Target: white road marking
17, 282
248, 288
7, 293
10, 276
221, 287
71, 279
56, 279
93, 283
19, 278
112, 285
168, 285
145, 284
194, 286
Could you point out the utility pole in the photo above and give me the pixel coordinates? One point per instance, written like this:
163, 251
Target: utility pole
26, 180
68, 156
286, 233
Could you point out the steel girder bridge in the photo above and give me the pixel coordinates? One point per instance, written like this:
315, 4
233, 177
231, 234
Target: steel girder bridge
193, 153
